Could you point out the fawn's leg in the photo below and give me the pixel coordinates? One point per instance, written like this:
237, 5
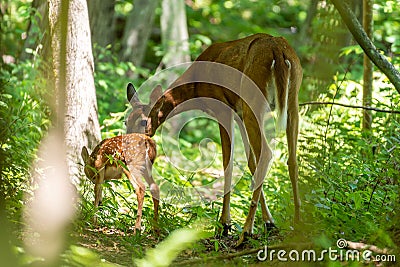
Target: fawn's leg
140, 188
154, 189
98, 192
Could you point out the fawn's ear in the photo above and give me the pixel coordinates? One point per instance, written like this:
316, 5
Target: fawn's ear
85, 154
156, 94
131, 94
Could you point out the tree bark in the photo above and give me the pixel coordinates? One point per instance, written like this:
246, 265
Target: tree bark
362, 39
53, 188
101, 16
137, 31
175, 40
76, 98
174, 33
38, 41
368, 66
306, 29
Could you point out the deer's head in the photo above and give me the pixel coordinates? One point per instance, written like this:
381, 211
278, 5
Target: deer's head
88, 162
143, 117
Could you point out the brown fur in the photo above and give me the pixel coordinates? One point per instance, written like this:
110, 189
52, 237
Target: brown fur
137, 152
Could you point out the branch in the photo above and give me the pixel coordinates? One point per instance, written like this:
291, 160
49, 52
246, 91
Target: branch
369, 48
350, 106
362, 246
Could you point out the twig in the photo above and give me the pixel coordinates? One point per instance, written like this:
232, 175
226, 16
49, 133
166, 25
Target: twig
350, 106
363, 246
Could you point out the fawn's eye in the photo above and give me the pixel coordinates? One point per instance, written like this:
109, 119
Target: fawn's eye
143, 122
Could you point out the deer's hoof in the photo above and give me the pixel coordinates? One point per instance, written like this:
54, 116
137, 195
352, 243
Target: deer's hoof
242, 239
223, 229
134, 230
270, 227
226, 229
156, 231
95, 221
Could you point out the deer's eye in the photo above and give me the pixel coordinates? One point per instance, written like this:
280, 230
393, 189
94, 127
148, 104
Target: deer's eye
143, 122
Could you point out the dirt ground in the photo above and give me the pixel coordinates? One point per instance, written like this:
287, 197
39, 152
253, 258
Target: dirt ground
122, 248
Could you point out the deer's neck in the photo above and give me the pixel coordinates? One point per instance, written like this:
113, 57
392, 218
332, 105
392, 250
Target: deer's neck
172, 102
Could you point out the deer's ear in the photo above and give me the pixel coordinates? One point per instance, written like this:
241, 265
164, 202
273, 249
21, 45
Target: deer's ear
156, 94
131, 94
85, 154
158, 105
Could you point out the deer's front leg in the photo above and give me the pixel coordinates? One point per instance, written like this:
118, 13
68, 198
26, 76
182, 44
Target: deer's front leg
97, 199
98, 194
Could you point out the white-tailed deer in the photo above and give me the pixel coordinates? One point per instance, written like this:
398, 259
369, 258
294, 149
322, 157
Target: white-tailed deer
132, 154
270, 73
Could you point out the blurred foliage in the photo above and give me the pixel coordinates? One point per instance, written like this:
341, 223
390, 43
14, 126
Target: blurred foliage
79, 256
219, 19
15, 18
24, 120
168, 249
349, 180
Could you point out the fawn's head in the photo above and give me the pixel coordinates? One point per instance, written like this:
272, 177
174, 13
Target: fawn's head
88, 162
138, 121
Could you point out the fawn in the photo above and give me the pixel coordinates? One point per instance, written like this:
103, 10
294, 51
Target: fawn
132, 154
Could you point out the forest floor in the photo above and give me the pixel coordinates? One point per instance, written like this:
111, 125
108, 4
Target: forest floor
123, 248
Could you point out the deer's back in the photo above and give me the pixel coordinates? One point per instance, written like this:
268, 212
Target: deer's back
129, 148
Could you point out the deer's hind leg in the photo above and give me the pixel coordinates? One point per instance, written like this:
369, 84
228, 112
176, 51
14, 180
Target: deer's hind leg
292, 135
227, 142
138, 185
154, 190
266, 214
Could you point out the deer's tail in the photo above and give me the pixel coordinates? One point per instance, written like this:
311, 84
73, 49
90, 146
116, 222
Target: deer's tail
280, 68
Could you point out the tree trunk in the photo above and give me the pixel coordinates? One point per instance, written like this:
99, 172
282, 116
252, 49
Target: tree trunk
137, 31
368, 66
175, 40
306, 29
101, 16
362, 39
78, 103
174, 33
38, 41
54, 171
